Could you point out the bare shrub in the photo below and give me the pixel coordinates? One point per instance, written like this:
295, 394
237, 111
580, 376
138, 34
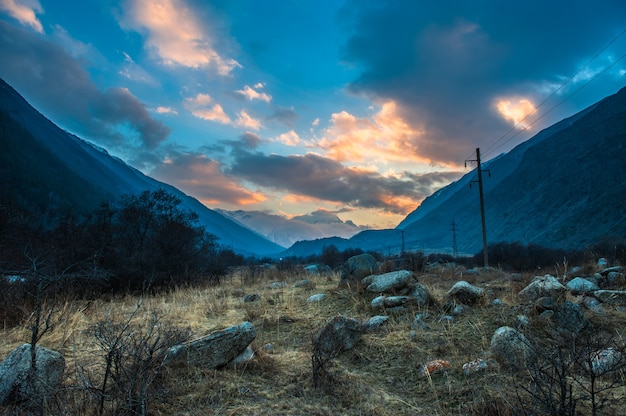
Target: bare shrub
132, 361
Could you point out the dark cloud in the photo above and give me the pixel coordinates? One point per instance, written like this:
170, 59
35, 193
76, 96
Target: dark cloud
284, 115
445, 62
56, 83
202, 177
250, 140
326, 179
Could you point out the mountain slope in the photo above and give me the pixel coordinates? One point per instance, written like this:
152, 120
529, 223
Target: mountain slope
105, 176
563, 188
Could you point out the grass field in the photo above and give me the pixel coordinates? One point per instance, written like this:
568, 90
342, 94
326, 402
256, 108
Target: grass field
382, 375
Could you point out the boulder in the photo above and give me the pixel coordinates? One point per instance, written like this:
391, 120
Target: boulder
607, 361
420, 294
356, 268
579, 286
465, 293
541, 286
570, 318
213, 350
252, 297
512, 349
388, 282
339, 334
15, 368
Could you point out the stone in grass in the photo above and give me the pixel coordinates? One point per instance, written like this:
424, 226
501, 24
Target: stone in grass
374, 323
246, 356
339, 334
316, 298
474, 366
465, 293
579, 286
541, 286
512, 349
434, 367
388, 282
213, 350
607, 361
15, 369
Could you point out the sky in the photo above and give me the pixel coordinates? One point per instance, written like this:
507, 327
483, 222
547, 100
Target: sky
358, 108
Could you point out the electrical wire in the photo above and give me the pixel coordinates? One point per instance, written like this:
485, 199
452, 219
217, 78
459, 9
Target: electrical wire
497, 144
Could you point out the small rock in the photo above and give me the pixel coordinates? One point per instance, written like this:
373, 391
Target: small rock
607, 361
303, 283
465, 293
435, 366
497, 302
375, 322
246, 356
278, 285
252, 297
316, 298
389, 282
474, 366
541, 286
611, 297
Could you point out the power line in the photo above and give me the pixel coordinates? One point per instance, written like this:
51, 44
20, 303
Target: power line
491, 148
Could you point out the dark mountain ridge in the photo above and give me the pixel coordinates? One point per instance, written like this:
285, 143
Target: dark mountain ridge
563, 188
90, 175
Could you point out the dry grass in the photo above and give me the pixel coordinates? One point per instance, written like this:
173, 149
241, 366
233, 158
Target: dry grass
381, 376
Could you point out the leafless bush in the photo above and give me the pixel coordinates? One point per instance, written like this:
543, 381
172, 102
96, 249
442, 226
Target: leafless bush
132, 361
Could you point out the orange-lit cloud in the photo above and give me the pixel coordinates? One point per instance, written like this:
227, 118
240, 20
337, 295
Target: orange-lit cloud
247, 121
24, 12
516, 110
175, 34
202, 177
385, 137
290, 138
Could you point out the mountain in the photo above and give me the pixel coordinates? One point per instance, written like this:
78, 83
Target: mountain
286, 231
51, 167
563, 188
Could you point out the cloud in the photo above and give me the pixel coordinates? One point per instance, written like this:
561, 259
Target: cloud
383, 138
24, 11
284, 115
56, 83
290, 138
202, 177
165, 110
202, 106
251, 94
247, 121
516, 110
445, 63
175, 34
325, 179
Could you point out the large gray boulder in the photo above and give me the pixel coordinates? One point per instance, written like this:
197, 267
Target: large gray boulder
15, 385
512, 349
541, 286
570, 318
356, 268
579, 286
388, 282
213, 350
339, 334
465, 293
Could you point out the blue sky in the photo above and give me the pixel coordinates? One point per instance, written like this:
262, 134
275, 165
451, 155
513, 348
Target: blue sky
358, 107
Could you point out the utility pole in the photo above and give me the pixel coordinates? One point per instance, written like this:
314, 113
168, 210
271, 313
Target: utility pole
455, 250
479, 170
402, 250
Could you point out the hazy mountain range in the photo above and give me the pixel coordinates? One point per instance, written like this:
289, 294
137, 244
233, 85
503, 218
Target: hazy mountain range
287, 231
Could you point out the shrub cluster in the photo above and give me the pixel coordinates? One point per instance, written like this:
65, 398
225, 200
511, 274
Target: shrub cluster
143, 242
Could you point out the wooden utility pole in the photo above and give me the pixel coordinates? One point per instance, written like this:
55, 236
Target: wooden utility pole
455, 250
479, 170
